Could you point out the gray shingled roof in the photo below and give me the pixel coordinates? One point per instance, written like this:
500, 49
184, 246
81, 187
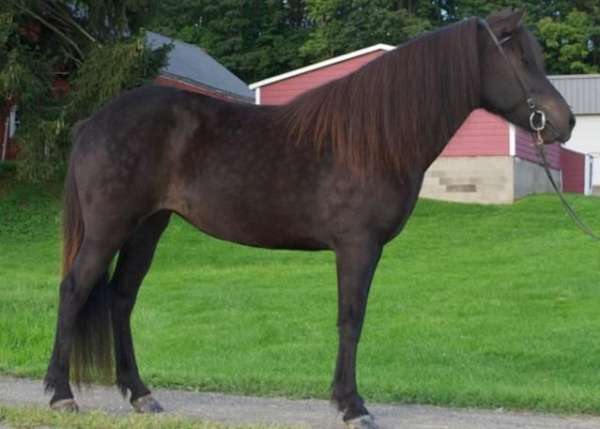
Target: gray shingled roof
190, 63
581, 91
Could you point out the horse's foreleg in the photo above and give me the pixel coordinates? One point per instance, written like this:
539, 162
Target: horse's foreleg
356, 263
134, 262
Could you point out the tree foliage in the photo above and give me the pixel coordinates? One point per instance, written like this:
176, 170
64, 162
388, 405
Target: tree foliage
260, 38
340, 26
254, 38
568, 43
569, 31
61, 60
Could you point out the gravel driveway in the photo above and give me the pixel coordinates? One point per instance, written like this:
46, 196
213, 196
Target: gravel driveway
310, 413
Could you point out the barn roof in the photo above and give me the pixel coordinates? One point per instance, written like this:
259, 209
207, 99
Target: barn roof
331, 61
192, 64
582, 92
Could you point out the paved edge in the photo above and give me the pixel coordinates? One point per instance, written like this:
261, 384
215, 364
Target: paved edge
315, 414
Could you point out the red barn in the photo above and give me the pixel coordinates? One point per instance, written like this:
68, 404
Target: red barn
488, 160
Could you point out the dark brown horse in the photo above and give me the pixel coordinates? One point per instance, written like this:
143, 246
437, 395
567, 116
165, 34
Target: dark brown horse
338, 168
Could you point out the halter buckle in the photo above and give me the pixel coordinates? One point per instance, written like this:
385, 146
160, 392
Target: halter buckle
537, 120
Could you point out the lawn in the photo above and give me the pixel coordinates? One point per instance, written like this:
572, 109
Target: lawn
41, 418
488, 306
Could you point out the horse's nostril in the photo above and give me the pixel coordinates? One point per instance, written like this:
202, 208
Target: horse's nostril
572, 121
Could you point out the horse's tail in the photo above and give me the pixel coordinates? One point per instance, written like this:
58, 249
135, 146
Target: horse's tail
72, 223
92, 352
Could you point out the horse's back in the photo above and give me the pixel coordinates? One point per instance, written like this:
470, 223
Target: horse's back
149, 113
125, 154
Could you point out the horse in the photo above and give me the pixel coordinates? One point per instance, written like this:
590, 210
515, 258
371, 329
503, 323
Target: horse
338, 168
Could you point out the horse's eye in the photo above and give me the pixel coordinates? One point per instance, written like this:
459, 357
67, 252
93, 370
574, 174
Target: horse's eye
525, 61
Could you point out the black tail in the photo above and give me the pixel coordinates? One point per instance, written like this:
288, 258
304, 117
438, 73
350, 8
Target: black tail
92, 353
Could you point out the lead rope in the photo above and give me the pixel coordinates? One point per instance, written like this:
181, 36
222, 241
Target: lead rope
539, 145
537, 122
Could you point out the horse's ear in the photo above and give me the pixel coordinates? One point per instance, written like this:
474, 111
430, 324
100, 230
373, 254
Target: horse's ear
506, 22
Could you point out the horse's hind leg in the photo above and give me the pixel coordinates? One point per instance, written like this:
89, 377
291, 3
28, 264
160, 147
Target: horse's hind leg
133, 263
87, 275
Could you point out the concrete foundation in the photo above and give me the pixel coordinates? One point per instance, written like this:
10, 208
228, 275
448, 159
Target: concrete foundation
485, 179
530, 178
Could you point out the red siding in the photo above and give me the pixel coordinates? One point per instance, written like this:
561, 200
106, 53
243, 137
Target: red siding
283, 91
2, 128
482, 134
572, 165
175, 83
525, 149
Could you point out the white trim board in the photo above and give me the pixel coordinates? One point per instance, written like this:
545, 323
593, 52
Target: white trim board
512, 139
587, 186
316, 66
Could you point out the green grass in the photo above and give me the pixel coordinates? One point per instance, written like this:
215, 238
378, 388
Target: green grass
28, 418
490, 306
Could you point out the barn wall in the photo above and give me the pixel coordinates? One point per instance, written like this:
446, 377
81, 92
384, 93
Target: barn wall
283, 91
2, 129
2, 136
482, 134
525, 149
573, 170
530, 178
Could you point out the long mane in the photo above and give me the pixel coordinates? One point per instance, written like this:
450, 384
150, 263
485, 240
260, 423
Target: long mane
395, 114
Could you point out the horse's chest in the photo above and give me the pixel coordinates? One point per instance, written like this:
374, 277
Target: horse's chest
379, 208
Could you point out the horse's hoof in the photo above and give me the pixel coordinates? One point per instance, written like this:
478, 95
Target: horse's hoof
362, 422
147, 405
65, 405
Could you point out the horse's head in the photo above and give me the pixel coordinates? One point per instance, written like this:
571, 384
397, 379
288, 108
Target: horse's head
507, 81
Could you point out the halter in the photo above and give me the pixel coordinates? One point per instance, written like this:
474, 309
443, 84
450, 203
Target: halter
537, 118
537, 123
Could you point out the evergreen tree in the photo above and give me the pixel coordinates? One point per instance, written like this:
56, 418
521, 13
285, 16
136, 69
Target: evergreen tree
60, 60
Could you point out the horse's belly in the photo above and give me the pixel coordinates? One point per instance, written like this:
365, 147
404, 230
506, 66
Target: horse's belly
257, 224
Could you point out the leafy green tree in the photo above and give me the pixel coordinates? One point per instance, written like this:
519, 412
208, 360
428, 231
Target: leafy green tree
569, 31
340, 26
568, 43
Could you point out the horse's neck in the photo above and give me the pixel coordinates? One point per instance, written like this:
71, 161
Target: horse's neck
440, 145
442, 123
